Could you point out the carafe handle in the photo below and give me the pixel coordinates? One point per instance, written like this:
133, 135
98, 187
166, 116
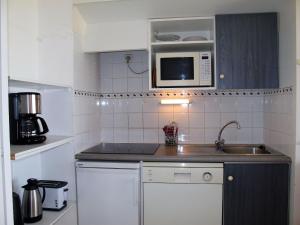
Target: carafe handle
44, 194
44, 125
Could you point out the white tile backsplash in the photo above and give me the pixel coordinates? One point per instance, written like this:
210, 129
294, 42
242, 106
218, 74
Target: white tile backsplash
212, 120
116, 77
120, 85
87, 122
279, 122
136, 135
182, 119
121, 120
165, 118
151, 135
121, 135
150, 120
146, 114
196, 120
135, 84
135, 120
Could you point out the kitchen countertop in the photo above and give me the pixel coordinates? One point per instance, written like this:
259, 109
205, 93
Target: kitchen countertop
188, 153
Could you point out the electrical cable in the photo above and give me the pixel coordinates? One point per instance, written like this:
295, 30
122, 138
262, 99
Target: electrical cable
128, 58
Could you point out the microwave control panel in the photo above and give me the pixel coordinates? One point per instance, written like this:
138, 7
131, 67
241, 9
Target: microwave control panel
205, 69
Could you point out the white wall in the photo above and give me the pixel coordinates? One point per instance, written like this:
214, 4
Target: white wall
279, 122
6, 215
297, 153
86, 78
287, 50
86, 65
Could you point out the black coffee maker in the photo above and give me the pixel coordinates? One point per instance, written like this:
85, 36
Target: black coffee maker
25, 126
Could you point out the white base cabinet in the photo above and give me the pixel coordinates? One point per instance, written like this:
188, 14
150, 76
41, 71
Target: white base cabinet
108, 193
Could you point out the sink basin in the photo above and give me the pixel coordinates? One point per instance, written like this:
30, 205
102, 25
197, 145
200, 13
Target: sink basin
246, 150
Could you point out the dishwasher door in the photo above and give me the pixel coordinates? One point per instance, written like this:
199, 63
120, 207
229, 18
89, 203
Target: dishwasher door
108, 193
177, 196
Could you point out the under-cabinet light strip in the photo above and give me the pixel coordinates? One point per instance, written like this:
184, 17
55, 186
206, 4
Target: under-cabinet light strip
173, 101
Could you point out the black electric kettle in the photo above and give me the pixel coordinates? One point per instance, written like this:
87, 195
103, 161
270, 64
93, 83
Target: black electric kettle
32, 202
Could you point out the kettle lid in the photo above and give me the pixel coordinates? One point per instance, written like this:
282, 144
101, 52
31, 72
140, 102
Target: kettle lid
32, 184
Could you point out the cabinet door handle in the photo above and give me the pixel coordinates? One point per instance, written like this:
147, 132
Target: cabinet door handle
222, 76
230, 178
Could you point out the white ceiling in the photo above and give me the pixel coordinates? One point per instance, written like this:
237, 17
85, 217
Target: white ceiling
95, 11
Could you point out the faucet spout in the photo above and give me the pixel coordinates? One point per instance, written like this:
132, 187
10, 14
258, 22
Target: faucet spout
220, 142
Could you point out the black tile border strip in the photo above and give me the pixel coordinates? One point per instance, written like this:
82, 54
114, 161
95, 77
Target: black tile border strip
196, 93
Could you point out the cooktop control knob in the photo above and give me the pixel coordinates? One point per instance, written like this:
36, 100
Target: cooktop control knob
207, 176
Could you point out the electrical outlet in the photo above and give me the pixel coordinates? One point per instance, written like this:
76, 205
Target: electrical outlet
128, 58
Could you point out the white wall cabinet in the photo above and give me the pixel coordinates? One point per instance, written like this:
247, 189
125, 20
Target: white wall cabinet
23, 39
41, 41
116, 36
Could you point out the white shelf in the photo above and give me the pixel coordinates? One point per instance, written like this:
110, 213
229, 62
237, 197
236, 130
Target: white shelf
185, 88
52, 217
34, 84
182, 46
23, 151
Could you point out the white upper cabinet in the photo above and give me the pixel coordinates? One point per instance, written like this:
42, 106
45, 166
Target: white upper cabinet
23, 39
41, 41
112, 25
116, 36
56, 42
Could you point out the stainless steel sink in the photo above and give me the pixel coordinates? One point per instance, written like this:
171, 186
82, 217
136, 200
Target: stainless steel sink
246, 150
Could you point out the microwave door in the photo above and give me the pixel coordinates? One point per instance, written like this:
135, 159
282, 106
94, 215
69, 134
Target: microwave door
177, 69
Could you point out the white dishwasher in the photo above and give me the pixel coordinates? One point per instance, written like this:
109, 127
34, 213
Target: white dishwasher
182, 193
108, 193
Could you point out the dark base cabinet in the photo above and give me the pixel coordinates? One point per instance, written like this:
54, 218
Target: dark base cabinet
256, 194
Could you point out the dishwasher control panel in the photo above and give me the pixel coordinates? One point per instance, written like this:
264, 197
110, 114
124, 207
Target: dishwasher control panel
183, 173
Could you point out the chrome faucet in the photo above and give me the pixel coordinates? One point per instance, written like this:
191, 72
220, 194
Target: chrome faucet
220, 142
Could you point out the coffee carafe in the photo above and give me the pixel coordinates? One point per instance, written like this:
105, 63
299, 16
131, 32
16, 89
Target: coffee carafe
25, 126
32, 202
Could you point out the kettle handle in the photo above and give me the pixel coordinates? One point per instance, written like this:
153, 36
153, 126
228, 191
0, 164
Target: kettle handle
44, 125
44, 194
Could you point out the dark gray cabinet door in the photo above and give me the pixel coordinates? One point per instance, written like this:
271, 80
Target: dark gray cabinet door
257, 194
247, 51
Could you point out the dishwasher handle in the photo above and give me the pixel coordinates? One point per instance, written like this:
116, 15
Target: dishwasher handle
182, 175
182, 171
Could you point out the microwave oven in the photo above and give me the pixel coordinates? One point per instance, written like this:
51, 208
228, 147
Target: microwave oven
184, 69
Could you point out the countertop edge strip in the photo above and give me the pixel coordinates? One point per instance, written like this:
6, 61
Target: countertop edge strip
41, 148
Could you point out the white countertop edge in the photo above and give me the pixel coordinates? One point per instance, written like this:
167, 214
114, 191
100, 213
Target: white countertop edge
43, 148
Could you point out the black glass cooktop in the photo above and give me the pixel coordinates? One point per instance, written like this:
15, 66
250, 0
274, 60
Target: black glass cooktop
120, 148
